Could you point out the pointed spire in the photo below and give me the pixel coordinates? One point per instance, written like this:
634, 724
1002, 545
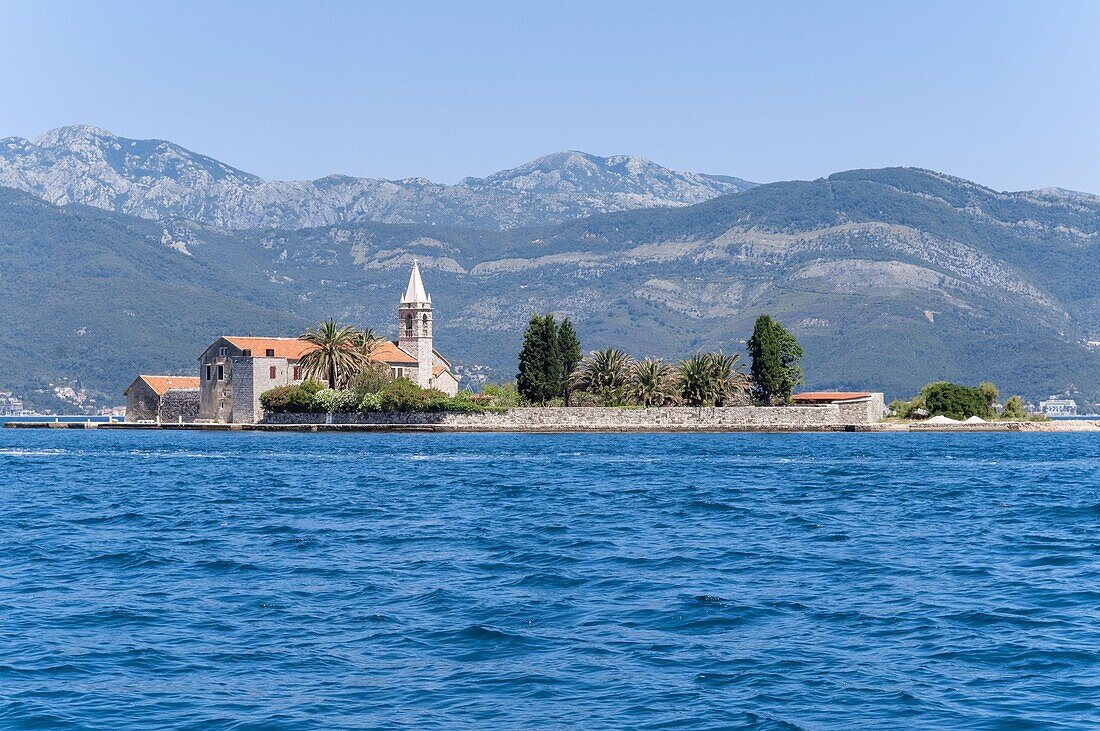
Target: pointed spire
415, 291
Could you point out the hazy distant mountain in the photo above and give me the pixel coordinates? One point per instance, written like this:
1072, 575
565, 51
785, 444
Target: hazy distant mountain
890, 278
158, 180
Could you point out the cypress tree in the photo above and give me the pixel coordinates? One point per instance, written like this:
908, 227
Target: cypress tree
539, 378
569, 350
775, 362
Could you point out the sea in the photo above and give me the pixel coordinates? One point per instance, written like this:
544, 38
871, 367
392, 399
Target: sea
195, 580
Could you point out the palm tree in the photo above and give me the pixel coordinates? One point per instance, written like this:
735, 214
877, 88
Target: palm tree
604, 374
368, 341
697, 379
651, 382
338, 354
733, 385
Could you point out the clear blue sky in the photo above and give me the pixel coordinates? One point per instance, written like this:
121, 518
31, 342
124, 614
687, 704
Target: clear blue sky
1004, 93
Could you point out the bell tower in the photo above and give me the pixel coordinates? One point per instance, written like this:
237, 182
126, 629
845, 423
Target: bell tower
414, 326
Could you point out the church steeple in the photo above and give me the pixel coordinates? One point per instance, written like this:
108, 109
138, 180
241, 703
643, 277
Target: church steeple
414, 327
414, 293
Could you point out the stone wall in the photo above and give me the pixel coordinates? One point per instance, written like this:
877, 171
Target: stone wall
580, 418
179, 404
141, 402
868, 410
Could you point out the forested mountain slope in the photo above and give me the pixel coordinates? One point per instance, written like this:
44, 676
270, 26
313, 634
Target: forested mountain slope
890, 278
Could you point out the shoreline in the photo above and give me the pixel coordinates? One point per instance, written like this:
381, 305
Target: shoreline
1034, 427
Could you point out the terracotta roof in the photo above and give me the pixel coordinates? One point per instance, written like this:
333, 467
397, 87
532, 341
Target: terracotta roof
161, 384
387, 351
289, 348
439, 369
828, 396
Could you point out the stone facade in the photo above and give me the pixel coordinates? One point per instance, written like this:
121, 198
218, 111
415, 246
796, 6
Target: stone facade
871, 409
251, 377
180, 405
235, 370
162, 398
583, 418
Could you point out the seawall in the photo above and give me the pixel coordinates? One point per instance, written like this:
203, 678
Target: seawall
734, 418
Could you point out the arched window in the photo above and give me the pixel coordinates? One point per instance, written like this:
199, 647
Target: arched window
425, 322
408, 324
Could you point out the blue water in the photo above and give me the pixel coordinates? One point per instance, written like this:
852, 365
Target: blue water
322, 581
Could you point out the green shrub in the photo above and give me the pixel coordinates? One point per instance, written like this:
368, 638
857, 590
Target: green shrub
464, 406
372, 379
324, 401
404, 395
330, 401
310, 387
437, 400
503, 396
1014, 409
955, 401
297, 399
370, 402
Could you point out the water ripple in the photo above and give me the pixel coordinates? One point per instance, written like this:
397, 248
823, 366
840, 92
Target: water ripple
247, 581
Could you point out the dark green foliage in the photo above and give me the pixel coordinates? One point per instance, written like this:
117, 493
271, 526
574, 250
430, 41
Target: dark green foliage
712, 379
604, 376
569, 350
339, 352
540, 365
955, 401
775, 362
295, 399
404, 395
504, 396
1014, 409
372, 378
652, 383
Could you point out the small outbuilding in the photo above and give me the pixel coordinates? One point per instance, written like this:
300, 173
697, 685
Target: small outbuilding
162, 398
872, 404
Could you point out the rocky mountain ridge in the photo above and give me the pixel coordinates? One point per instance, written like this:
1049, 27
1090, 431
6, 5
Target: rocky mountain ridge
160, 180
890, 278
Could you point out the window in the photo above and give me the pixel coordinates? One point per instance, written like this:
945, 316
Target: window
408, 324
223, 351
247, 352
297, 373
270, 352
271, 373
221, 372
209, 370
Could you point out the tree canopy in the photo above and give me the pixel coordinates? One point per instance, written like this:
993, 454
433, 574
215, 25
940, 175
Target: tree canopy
540, 361
569, 350
775, 362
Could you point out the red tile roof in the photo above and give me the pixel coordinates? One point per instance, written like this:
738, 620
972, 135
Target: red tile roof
387, 351
828, 396
289, 348
161, 384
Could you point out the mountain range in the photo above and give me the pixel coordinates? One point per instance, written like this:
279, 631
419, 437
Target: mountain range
889, 278
160, 180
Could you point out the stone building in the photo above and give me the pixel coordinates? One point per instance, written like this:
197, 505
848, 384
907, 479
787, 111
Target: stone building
162, 398
858, 405
235, 370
